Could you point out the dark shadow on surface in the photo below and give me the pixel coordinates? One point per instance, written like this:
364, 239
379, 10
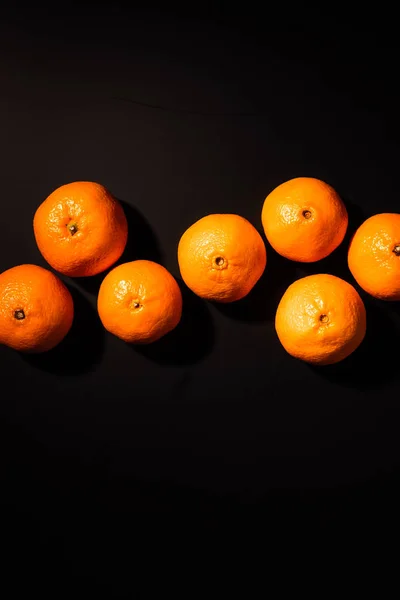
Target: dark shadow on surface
261, 303
92, 284
142, 244
336, 263
190, 341
81, 349
375, 362
58, 499
394, 308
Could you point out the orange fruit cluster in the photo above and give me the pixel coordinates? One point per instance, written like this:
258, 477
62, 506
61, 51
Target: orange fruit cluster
81, 230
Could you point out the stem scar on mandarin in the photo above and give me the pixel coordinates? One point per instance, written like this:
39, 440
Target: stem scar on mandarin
72, 228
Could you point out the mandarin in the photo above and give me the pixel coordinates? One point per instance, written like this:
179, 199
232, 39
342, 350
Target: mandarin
221, 257
304, 219
374, 256
36, 309
320, 319
80, 229
139, 302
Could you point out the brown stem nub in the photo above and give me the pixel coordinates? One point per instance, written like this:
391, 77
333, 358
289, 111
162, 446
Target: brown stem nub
396, 250
219, 261
72, 229
307, 214
19, 314
324, 318
136, 305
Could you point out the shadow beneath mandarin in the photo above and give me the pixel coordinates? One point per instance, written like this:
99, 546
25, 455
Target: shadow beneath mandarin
190, 341
142, 244
394, 308
81, 349
92, 284
261, 303
375, 362
336, 262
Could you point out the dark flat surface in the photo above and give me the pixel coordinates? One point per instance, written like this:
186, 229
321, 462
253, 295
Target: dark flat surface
215, 430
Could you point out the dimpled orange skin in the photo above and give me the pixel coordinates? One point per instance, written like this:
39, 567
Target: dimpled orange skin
374, 256
221, 257
36, 309
321, 319
304, 219
139, 302
80, 229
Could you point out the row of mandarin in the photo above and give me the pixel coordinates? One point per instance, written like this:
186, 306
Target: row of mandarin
81, 230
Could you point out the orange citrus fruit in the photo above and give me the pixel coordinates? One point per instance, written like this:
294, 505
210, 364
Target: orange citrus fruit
374, 256
36, 309
304, 219
81, 229
221, 257
320, 319
139, 302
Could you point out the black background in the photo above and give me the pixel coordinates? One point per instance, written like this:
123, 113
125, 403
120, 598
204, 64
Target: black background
213, 435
